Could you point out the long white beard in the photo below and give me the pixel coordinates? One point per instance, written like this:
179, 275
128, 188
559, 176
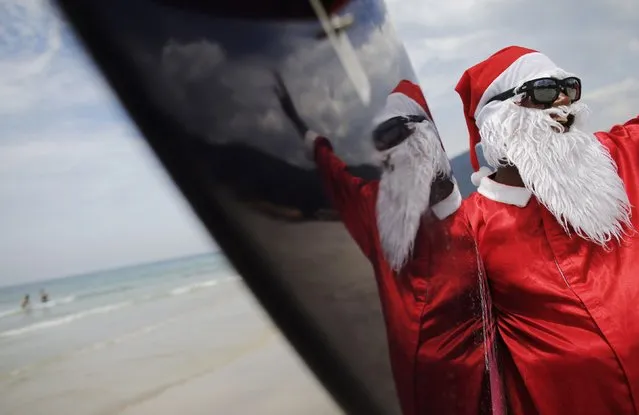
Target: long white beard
404, 190
571, 173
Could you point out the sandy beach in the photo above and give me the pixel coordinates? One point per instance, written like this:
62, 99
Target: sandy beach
209, 351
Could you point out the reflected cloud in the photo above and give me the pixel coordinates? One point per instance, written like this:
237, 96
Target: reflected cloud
232, 99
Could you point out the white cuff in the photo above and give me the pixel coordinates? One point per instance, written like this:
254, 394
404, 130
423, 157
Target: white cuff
448, 206
309, 143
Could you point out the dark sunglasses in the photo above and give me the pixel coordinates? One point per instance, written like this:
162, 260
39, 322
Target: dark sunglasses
394, 131
545, 91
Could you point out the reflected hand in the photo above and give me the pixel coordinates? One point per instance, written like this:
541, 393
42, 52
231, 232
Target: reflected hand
287, 105
441, 188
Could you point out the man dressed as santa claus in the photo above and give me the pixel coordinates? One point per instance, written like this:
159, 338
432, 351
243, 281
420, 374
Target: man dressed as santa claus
548, 241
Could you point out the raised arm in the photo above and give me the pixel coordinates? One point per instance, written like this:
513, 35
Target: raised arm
351, 196
624, 134
623, 143
631, 129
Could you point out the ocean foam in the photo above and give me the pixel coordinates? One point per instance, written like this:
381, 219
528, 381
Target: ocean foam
185, 289
64, 320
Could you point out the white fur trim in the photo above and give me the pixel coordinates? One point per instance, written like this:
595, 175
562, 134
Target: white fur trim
398, 104
449, 205
476, 177
511, 195
309, 142
527, 67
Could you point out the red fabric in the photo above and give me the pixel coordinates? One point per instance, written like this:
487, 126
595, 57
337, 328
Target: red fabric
336, 5
414, 92
566, 310
475, 81
434, 331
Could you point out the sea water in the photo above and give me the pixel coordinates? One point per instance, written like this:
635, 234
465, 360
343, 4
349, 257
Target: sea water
100, 305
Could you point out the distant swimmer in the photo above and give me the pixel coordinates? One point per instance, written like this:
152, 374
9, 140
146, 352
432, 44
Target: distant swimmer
44, 297
25, 301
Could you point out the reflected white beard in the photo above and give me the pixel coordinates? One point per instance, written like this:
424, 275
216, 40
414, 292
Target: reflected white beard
404, 191
572, 174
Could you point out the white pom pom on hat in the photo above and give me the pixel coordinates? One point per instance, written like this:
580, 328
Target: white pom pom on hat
480, 174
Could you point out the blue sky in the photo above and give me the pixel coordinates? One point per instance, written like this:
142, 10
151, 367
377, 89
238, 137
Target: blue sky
80, 190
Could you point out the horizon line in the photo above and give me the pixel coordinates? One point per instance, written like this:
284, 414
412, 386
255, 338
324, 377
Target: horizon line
114, 269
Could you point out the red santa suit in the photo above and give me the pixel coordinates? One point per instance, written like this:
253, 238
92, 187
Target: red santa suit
565, 305
434, 322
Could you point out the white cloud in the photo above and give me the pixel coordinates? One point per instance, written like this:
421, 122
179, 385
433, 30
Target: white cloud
447, 48
441, 14
38, 72
203, 57
80, 203
609, 92
624, 9
614, 103
326, 98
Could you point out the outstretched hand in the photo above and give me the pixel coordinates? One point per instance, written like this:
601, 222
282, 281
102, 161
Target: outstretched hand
288, 107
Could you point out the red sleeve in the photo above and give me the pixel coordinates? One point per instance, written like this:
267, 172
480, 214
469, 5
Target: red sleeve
622, 134
633, 122
623, 143
631, 135
351, 196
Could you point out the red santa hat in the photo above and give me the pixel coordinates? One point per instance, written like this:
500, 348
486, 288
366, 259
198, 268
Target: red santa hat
508, 68
406, 99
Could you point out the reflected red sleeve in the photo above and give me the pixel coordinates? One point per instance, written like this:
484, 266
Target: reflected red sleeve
351, 196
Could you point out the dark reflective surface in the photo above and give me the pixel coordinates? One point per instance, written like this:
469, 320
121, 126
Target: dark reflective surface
199, 79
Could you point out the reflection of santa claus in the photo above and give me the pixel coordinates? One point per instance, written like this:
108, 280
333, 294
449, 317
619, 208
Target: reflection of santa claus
551, 228
438, 366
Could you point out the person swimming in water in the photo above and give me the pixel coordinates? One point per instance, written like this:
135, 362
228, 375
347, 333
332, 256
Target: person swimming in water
25, 302
44, 297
